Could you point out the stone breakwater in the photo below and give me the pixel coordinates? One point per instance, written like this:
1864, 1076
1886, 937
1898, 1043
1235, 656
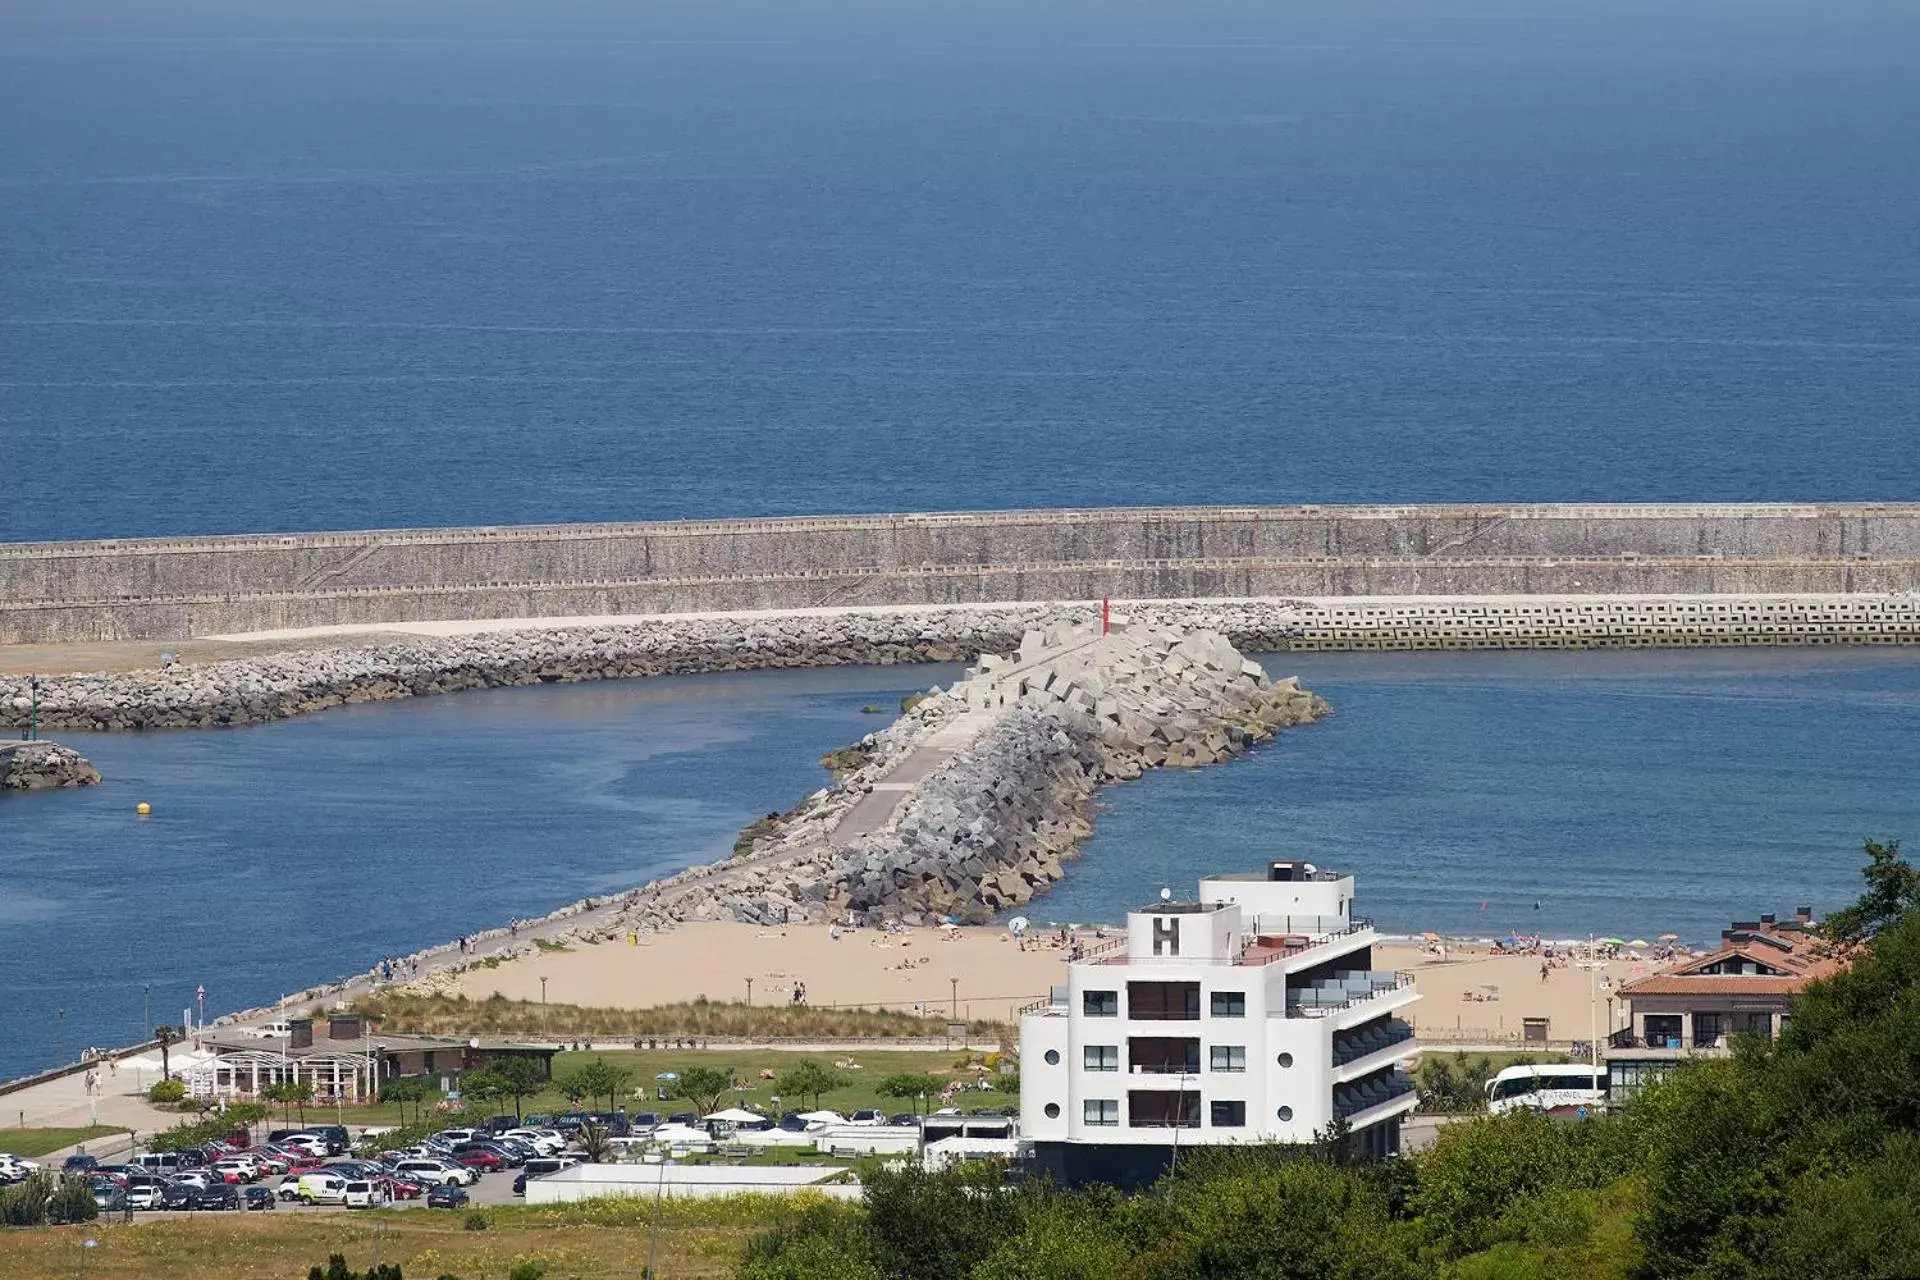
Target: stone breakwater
36, 766
257, 690
1000, 771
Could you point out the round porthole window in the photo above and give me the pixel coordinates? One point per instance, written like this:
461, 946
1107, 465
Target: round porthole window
1053, 1057
1053, 1111
1285, 1059
1285, 1114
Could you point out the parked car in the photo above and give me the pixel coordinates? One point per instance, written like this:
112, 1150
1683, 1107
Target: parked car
218, 1196
321, 1188
307, 1144
400, 1186
79, 1162
144, 1196
547, 1164
304, 1164
905, 1117
179, 1195
258, 1198
475, 1156
366, 1193
867, 1116
235, 1169
447, 1197
110, 1198
440, 1171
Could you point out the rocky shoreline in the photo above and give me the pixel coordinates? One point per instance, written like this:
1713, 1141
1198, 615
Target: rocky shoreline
258, 690
40, 766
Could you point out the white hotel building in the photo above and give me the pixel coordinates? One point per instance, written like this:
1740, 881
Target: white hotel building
1253, 1015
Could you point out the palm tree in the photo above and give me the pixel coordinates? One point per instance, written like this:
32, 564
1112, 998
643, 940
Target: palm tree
166, 1036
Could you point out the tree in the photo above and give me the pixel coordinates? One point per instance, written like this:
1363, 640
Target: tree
597, 1078
399, 1091
594, 1143
525, 1077
1893, 890
704, 1086
809, 1079
166, 1036
484, 1088
908, 1087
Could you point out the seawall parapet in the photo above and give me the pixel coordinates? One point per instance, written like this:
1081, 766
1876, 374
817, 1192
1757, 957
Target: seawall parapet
42, 765
160, 589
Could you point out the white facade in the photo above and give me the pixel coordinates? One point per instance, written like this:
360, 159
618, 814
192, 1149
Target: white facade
1251, 1015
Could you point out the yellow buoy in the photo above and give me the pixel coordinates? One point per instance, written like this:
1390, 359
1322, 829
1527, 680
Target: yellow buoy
143, 808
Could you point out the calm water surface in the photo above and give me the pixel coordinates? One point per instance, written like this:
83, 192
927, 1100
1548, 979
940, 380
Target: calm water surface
416, 262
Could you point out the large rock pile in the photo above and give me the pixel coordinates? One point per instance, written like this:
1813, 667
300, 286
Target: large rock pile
255, 690
990, 827
35, 766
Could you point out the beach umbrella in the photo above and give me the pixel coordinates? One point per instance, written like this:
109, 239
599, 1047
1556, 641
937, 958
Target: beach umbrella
737, 1115
1616, 942
1638, 942
1669, 937
1018, 925
1431, 936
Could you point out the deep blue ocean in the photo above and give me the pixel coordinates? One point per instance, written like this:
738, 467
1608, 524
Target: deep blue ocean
267, 266
277, 266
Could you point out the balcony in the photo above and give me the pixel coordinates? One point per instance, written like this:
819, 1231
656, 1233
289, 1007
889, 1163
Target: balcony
1351, 1046
1163, 1110
1350, 1100
1278, 942
1329, 996
1163, 1001
1163, 1056
1682, 1046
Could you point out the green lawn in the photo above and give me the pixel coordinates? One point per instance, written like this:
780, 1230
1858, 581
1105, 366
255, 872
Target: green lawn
745, 1064
38, 1142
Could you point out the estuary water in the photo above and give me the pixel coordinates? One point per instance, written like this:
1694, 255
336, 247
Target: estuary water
1617, 793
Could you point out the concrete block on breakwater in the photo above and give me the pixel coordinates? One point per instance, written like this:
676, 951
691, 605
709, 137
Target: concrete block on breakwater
274, 687
972, 800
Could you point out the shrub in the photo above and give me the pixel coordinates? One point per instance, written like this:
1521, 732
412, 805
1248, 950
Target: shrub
475, 1221
167, 1092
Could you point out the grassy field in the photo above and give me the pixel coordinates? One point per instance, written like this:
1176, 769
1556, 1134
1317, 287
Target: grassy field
497, 1016
37, 1142
602, 1240
746, 1066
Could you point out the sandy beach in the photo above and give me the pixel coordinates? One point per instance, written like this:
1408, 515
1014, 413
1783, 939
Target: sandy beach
1472, 996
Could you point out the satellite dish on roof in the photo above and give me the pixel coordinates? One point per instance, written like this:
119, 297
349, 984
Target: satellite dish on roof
1166, 895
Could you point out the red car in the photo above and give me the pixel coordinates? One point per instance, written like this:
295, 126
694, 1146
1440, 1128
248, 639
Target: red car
485, 1160
403, 1188
304, 1164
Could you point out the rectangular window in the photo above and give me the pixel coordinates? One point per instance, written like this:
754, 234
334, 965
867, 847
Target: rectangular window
1101, 1057
1229, 1057
1101, 1111
1229, 1004
1100, 1004
1228, 1115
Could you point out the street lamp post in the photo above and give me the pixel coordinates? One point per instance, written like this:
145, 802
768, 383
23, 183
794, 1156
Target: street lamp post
146, 1010
954, 1014
33, 712
749, 993
62, 1015
543, 1007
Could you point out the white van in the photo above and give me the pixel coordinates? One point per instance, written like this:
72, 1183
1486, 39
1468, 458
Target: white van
366, 1195
161, 1162
322, 1188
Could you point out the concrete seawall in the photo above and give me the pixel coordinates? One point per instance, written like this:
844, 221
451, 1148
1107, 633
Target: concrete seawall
163, 589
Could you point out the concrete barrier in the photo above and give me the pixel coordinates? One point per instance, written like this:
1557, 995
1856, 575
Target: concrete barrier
159, 589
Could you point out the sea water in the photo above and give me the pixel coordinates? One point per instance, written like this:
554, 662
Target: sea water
353, 265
